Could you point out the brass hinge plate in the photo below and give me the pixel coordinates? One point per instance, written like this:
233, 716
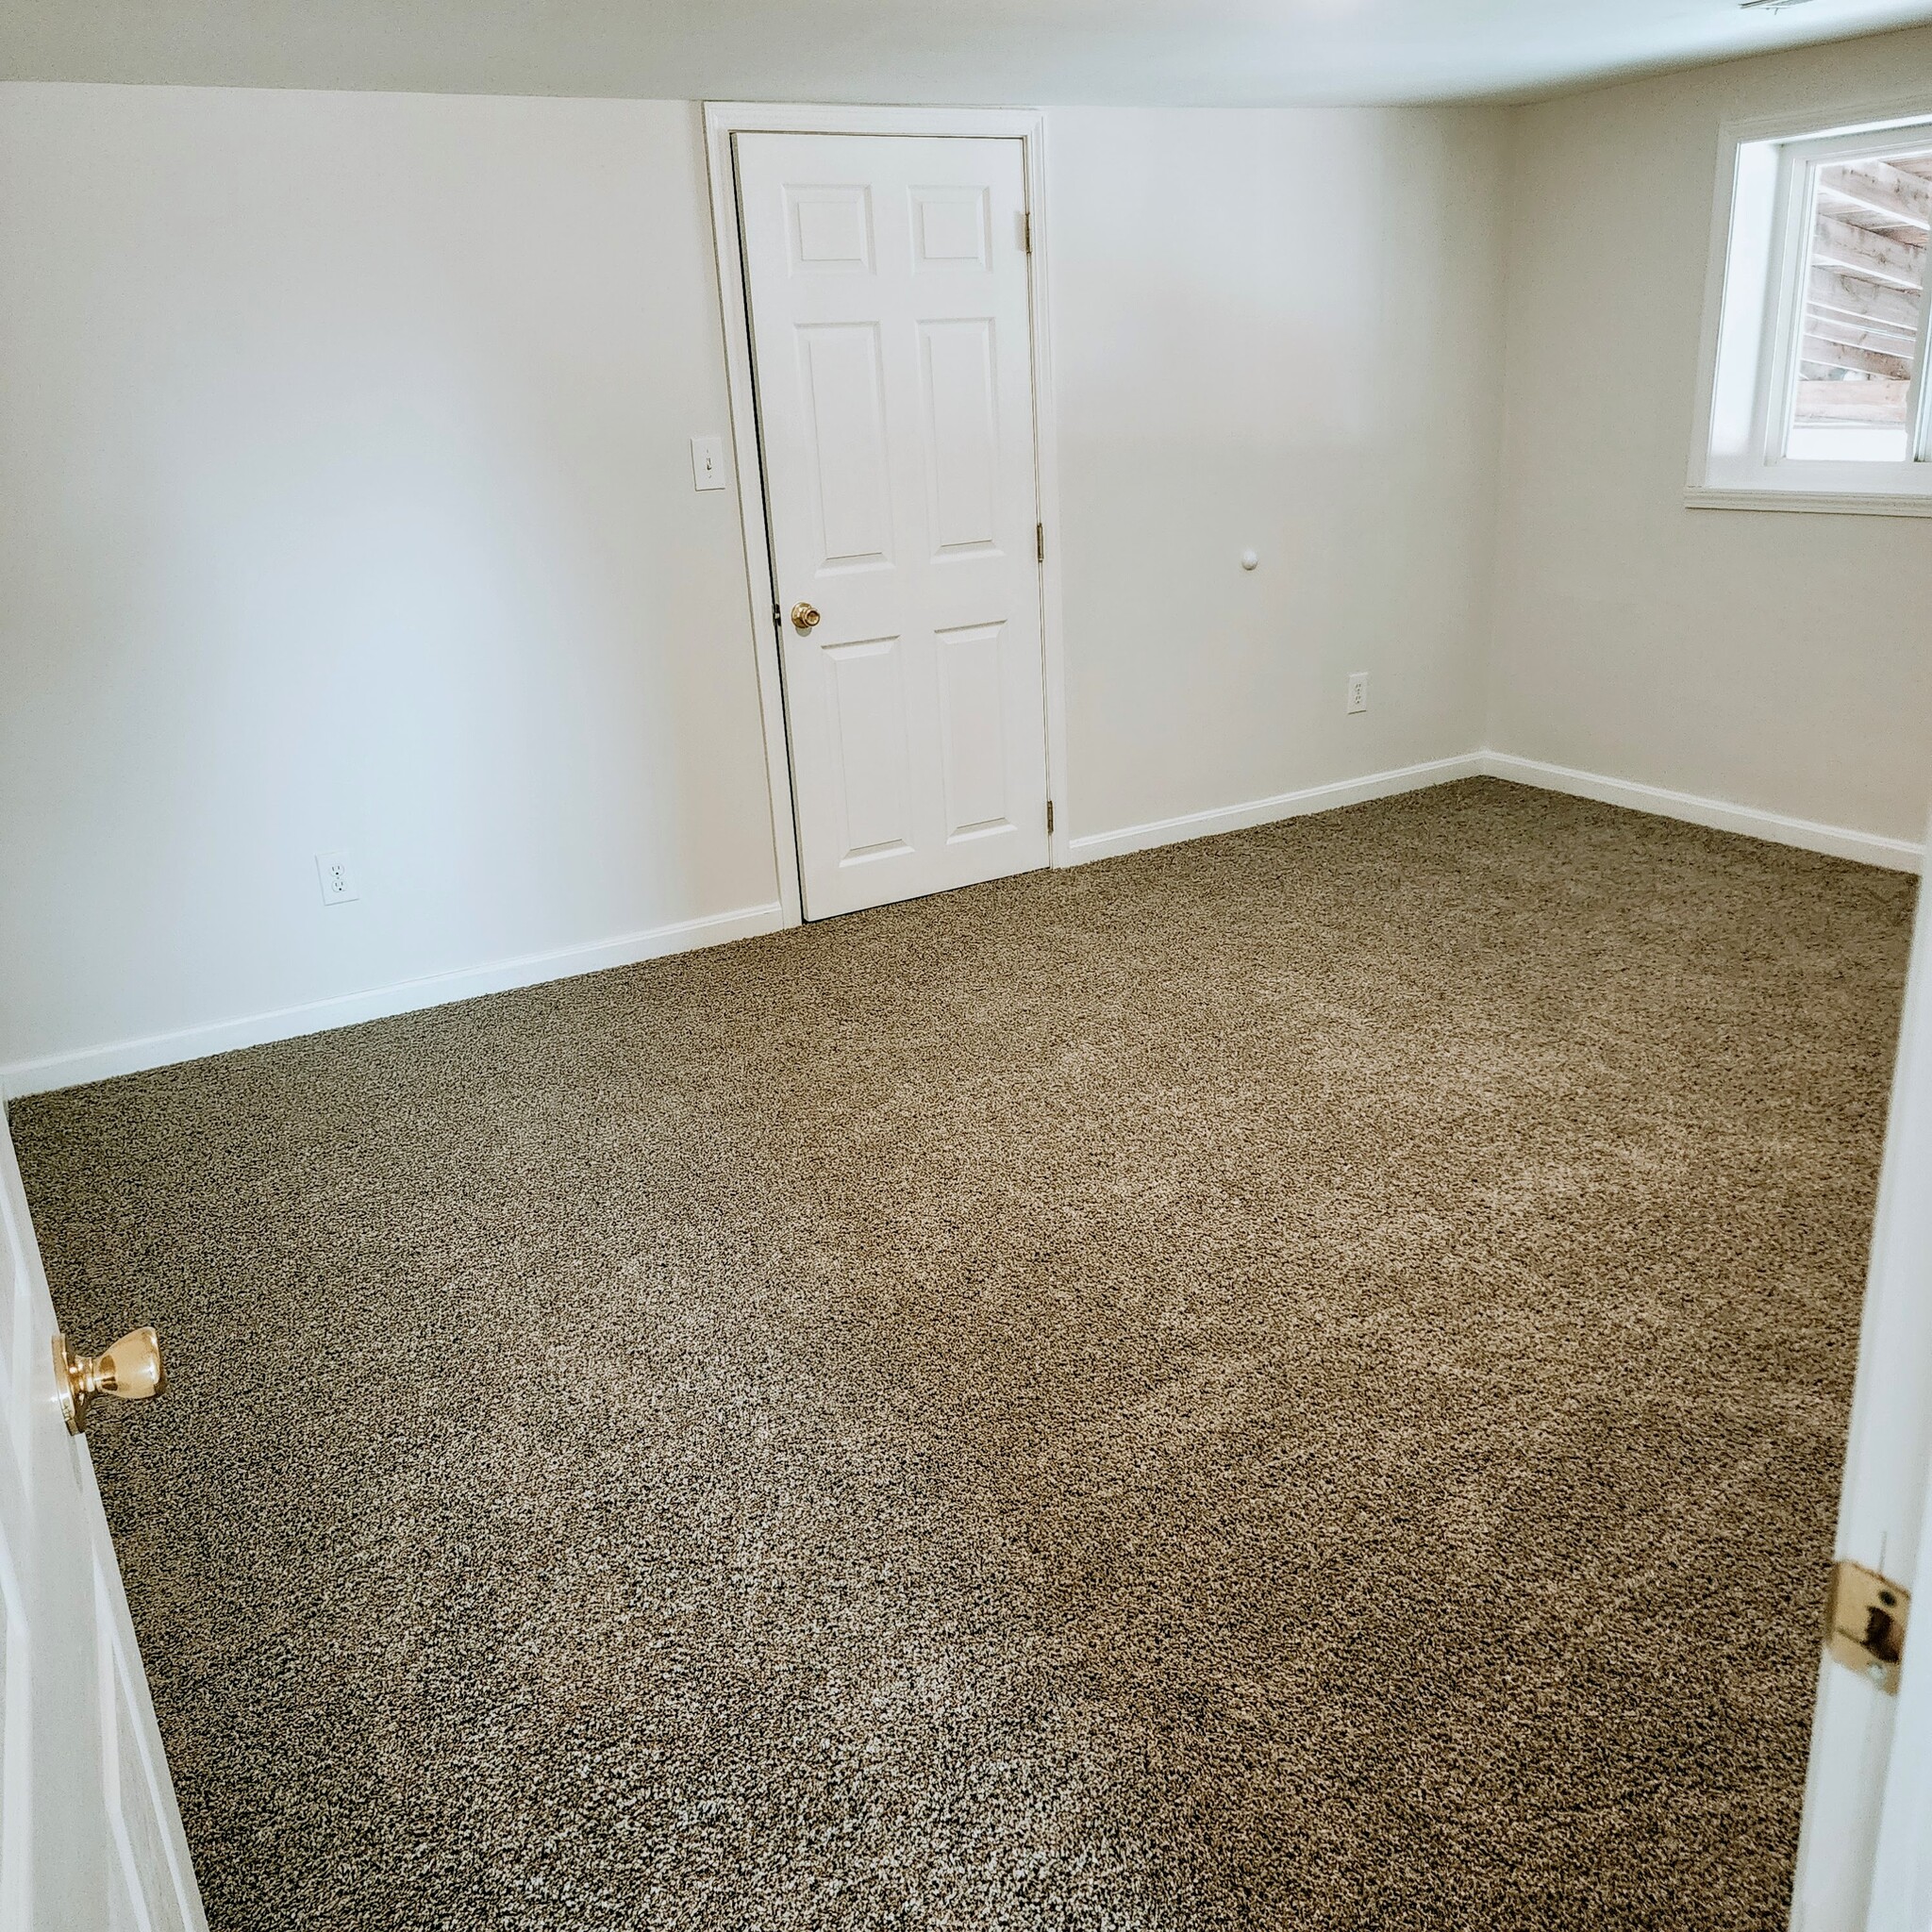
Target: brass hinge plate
1039, 542
1026, 230
1049, 818
1865, 1617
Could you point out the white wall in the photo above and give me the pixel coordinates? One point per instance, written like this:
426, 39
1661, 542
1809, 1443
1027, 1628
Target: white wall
1273, 330
1778, 659
346, 503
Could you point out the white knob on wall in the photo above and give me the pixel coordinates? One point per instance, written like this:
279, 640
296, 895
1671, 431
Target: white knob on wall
1249, 559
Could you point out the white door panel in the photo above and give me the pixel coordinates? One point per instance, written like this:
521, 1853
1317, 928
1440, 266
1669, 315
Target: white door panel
972, 731
962, 437
90, 1835
843, 387
1865, 1844
887, 290
866, 688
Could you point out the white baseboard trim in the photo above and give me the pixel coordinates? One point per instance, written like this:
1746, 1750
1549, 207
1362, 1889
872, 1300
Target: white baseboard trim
1869, 848
1839, 841
404, 996
1284, 805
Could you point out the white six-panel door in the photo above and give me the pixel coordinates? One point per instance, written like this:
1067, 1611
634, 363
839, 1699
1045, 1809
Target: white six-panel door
886, 277
90, 1836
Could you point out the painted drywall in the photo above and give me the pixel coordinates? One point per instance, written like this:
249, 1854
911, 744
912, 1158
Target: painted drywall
346, 506
1777, 660
1275, 332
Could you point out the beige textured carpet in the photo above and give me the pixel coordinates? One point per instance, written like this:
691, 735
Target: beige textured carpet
1294, 1381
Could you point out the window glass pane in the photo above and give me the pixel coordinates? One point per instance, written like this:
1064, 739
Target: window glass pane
1864, 294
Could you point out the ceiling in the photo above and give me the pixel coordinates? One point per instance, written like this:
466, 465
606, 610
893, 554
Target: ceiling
1221, 52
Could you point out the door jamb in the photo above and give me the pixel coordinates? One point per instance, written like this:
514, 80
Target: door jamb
723, 119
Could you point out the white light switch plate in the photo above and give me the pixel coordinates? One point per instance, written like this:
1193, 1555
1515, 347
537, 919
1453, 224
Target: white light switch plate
708, 463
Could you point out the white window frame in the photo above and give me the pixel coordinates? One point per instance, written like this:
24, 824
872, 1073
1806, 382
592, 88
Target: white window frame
1753, 310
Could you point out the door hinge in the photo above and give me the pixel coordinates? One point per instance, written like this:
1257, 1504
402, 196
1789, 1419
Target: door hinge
1865, 1622
1027, 229
1039, 542
1049, 818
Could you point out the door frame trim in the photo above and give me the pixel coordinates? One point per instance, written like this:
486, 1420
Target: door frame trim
723, 119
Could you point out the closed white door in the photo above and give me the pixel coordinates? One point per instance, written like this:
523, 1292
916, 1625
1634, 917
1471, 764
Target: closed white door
90, 1836
888, 288
1865, 1845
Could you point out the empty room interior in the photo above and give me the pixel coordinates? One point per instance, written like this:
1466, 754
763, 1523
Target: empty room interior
957, 965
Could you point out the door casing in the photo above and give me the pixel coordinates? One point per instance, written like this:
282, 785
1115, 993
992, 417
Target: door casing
723, 119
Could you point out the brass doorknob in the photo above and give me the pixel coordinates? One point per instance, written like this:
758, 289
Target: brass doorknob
803, 617
130, 1371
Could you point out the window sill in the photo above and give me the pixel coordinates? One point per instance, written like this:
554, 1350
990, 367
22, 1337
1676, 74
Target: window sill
1864, 503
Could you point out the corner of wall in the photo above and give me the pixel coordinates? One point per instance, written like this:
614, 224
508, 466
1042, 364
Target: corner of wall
1491, 611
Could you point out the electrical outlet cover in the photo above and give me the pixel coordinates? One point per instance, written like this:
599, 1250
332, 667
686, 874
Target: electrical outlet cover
338, 881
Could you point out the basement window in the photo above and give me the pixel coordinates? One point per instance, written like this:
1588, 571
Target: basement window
1815, 363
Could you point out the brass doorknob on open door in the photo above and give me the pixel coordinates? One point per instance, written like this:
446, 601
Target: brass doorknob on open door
130, 1371
804, 617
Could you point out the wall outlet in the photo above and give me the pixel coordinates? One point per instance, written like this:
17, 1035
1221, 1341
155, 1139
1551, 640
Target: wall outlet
1358, 691
338, 881
708, 463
